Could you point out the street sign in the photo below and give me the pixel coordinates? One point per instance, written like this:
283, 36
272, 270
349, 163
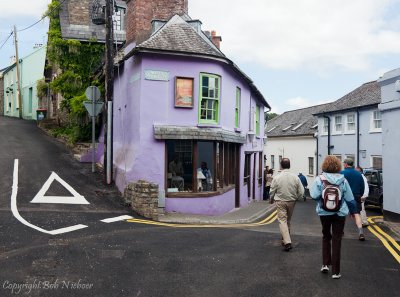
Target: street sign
97, 107
93, 107
93, 93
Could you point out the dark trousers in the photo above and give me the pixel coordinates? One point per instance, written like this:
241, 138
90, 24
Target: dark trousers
266, 193
332, 231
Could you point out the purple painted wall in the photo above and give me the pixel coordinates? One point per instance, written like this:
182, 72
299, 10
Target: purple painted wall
141, 103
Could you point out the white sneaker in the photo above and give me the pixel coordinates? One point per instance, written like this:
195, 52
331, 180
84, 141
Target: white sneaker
324, 269
336, 276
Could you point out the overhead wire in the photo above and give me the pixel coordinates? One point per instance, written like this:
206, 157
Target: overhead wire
6, 40
43, 17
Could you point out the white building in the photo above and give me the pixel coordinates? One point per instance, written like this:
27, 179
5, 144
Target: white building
292, 135
390, 109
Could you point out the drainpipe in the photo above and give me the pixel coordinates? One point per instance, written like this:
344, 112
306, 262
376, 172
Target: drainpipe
329, 133
315, 135
358, 137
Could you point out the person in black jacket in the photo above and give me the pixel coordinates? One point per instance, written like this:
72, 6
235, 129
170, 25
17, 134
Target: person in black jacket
304, 182
357, 187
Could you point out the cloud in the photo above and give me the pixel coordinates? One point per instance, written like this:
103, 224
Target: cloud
24, 8
318, 35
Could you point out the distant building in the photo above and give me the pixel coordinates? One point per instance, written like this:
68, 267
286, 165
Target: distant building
293, 135
31, 70
2, 91
390, 109
76, 23
177, 96
351, 127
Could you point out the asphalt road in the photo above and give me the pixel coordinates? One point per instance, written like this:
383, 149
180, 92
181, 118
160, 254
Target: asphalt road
131, 259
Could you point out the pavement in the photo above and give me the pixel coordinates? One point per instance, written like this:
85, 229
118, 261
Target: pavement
255, 211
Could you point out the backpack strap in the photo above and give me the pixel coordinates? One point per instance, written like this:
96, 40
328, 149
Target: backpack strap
324, 180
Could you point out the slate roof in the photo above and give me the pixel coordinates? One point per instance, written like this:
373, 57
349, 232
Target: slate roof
301, 122
367, 94
87, 31
178, 36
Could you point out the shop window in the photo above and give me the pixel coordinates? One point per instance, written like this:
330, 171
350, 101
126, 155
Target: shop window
200, 166
260, 168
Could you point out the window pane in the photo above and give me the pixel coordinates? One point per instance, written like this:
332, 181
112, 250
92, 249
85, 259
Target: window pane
310, 165
206, 170
209, 98
204, 82
180, 165
204, 92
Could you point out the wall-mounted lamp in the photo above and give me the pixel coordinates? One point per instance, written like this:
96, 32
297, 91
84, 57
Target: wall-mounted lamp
265, 140
363, 153
251, 135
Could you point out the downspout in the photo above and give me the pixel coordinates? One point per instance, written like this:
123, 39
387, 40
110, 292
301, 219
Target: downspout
315, 135
329, 133
358, 137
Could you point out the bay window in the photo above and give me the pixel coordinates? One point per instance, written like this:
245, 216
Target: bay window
194, 166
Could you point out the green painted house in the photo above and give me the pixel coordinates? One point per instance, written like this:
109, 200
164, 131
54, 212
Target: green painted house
31, 70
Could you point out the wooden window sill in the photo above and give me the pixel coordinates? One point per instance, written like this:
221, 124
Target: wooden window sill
200, 194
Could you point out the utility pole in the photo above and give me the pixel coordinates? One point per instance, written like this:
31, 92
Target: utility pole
109, 86
18, 75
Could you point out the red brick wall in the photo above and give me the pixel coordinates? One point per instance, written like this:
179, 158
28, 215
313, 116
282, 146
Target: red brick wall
140, 13
78, 12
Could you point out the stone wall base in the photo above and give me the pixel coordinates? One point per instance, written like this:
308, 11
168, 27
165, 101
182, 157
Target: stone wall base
143, 196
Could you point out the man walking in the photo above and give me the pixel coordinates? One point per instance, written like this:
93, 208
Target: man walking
357, 187
286, 188
304, 182
363, 213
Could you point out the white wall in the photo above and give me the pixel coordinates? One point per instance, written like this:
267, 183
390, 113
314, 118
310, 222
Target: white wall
297, 149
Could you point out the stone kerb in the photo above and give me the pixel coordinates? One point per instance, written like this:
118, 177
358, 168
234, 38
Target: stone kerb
143, 196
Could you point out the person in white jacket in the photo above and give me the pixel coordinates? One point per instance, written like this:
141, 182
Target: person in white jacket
363, 213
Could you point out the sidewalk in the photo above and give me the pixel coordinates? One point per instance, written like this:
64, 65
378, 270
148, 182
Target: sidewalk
255, 211
394, 227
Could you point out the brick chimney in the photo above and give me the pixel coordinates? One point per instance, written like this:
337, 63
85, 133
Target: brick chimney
140, 13
216, 39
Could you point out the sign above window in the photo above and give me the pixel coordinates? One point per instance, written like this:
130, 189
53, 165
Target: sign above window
159, 75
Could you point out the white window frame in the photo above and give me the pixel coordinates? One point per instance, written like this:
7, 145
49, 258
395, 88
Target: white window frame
337, 124
287, 128
325, 126
347, 130
297, 127
338, 156
372, 157
374, 120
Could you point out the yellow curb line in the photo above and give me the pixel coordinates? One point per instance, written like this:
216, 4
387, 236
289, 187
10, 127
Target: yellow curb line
374, 229
271, 218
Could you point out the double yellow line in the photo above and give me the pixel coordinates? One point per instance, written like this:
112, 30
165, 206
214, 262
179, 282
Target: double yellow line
391, 245
271, 218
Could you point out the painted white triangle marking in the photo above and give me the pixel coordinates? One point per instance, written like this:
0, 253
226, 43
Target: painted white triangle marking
74, 199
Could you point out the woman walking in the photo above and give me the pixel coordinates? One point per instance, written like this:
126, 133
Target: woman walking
332, 218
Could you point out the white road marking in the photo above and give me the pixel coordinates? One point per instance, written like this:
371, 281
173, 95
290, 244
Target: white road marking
116, 219
16, 214
74, 199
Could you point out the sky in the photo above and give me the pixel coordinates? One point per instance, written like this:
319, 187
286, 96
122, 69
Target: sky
299, 53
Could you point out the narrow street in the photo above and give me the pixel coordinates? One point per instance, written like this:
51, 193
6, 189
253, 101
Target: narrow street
122, 258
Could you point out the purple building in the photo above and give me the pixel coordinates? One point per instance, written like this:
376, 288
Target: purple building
188, 120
